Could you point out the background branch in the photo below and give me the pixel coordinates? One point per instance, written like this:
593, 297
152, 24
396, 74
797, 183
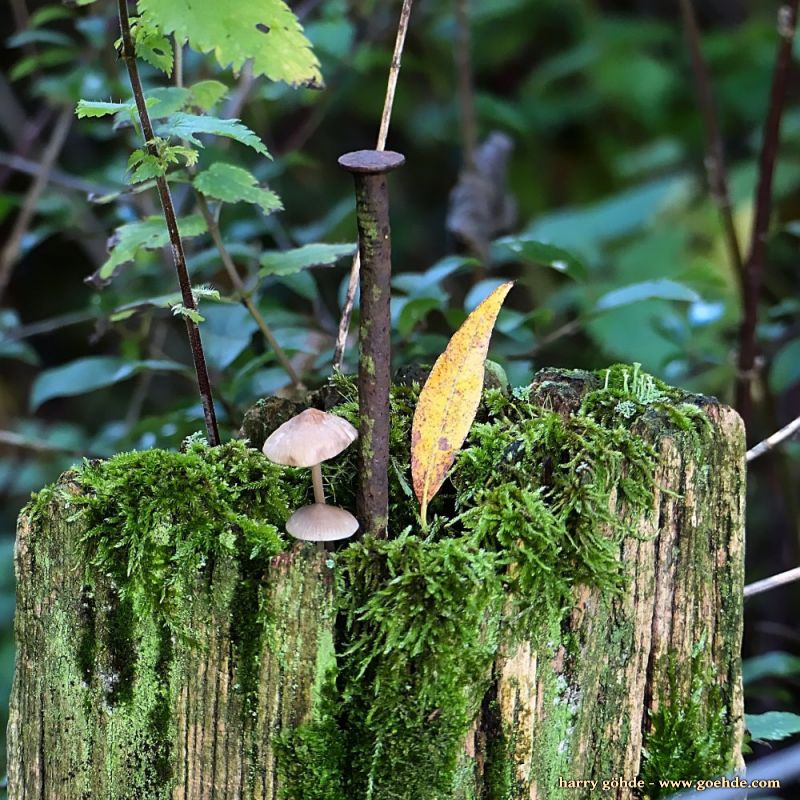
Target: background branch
383, 133
11, 249
754, 267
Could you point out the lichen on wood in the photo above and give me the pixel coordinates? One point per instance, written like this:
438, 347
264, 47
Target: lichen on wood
574, 606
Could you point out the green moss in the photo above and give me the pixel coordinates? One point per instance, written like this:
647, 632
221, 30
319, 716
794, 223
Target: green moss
525, 515
689, 733
157, 520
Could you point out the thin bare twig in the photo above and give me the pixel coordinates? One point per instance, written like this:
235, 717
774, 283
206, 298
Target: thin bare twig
773, 582
244, 294
383, 134
178, 255
48, 325
56, 176
786, 432
754, 266
716, 170
466, 98
10, 252
16, 440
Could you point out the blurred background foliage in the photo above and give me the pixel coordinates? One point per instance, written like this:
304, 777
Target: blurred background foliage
607, 167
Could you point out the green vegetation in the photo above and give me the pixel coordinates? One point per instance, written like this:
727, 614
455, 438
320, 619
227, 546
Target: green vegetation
688, 730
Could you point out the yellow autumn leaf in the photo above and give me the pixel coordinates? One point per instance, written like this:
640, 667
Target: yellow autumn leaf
449, 399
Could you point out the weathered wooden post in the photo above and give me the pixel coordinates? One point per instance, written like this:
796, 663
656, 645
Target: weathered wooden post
170, 645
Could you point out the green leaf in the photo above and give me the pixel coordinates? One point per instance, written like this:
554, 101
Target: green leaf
180, 310
97, 108
647, 290
150, 234
413, 312
165, 301
773, 725
785, 369
165, 100
46, 58
87, 374
186, 126
33, 36
770, 665
521, 248
233, 184
153, 47
265, 31
48, 14
287, 262
206, 94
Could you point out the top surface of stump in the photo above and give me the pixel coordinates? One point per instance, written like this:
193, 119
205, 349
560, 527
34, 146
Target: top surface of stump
372, 162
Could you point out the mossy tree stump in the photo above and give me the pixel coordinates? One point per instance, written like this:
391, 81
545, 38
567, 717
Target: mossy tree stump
574, 614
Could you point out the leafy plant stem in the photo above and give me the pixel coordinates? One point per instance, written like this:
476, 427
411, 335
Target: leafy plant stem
178, 255
10, 252
244, 295
383, 134
754, 266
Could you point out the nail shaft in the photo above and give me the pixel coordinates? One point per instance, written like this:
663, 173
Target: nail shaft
369, 168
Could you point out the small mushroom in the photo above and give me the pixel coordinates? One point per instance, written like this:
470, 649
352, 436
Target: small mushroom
306, 441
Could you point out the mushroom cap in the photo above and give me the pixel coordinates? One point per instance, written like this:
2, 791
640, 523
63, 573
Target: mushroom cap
309, 438
321, 523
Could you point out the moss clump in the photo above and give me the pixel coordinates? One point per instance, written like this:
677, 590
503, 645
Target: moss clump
526, 514
688, 737
157, 520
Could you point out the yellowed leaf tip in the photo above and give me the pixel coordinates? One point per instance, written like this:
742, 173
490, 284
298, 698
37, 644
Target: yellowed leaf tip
450, 397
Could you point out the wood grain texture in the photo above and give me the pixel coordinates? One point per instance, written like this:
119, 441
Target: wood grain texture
108, 707
96, 722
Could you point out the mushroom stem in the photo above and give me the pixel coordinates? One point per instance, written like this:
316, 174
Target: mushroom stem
316, 478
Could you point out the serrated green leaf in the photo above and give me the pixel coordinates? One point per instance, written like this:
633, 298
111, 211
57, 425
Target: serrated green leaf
646, 290
88, 374
287, 262
180, 310
206, 94
527, 250
153, 47
166, 100
232, 184
773, 725
144, 166
150, 234
98, 108
265, 31
186, 126
200, 293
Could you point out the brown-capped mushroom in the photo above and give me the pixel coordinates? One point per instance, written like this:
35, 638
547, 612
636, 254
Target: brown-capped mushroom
306, 441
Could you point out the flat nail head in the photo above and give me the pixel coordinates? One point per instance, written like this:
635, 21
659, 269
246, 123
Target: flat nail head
371, 162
